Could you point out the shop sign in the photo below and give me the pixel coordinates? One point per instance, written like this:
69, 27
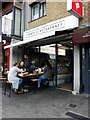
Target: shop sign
75, 7
50, 28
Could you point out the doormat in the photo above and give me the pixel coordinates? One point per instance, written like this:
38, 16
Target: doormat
77, 116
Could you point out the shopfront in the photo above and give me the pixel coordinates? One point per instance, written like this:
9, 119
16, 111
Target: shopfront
54, 41
81, 38
60, 55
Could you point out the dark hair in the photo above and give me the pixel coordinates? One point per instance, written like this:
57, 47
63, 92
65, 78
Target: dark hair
48, 64
21, 61
15, 64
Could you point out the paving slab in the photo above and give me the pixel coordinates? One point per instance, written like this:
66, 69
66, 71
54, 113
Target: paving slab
46, 103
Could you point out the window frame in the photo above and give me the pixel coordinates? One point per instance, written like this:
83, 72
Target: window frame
5, 14
32, 9
41, 9
19, 21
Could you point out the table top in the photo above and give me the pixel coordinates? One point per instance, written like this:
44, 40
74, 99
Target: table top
26, 74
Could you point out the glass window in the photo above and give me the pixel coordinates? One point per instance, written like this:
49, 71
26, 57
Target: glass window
35, 12
43, 5
7, 23
38, 10
17, 22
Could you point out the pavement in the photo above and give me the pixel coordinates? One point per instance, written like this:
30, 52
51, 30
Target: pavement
46, 103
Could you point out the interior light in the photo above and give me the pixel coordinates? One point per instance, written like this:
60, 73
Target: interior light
60, 45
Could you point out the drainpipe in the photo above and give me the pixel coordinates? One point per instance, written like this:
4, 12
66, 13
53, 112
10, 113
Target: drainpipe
39, 56
24, 15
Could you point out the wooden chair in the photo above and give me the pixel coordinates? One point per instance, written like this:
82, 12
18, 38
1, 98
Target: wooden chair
2, 79
6, 84
8, 87
51, 79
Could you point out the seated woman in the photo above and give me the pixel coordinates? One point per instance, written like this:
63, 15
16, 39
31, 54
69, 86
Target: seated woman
47, 73
12, 76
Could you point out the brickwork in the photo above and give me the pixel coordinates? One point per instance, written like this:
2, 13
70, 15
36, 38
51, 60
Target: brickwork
8, 7
86, 17
54, 11
57, 10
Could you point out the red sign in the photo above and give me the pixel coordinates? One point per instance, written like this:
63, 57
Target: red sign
75, 7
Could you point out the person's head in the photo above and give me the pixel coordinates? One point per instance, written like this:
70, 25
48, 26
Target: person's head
21, 63
25, 56
15, 64
48, 64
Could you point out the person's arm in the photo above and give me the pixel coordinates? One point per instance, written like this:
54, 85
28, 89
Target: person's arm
45, 69
19, 70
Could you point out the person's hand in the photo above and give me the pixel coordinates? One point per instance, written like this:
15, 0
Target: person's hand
42, 69
24, 69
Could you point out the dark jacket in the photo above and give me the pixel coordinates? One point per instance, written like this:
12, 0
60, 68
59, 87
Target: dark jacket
48, 72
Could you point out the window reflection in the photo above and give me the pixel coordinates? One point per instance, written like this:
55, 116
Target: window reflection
17, 22
7, 20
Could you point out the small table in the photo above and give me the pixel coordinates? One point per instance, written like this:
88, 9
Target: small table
30, 75
33, 77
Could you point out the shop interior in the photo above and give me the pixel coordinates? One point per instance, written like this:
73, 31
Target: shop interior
64, 61
38, 54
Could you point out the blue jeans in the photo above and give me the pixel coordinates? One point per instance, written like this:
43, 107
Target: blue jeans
20, 83
42, 77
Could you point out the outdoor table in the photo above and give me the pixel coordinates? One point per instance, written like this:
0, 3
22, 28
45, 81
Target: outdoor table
30, 77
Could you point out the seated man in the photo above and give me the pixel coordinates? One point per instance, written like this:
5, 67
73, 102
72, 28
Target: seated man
21, 65
32, 67
47, 73
12, 76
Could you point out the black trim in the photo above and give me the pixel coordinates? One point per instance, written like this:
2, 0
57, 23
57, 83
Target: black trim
20, 21
39, 55
14, 20
11, 9
77, 116
73, 71
56, 47
16, 37
4, 37
81, 81
36, 19
12, 28
32, 5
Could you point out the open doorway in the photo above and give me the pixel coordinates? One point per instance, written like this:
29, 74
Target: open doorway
64, 63
65, 66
